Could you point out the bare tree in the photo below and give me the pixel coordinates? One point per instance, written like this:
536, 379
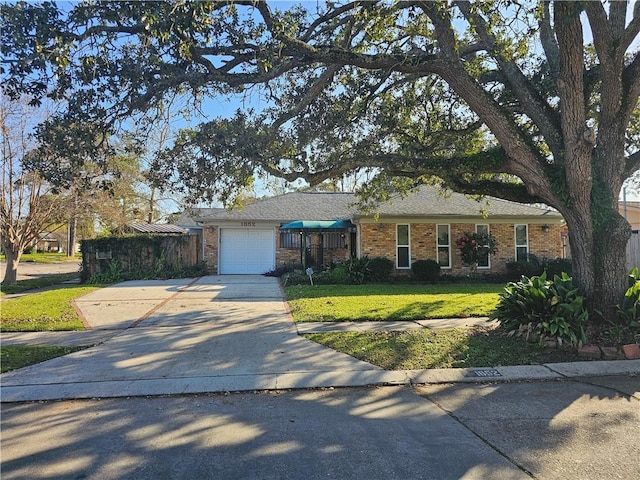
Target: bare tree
27, 205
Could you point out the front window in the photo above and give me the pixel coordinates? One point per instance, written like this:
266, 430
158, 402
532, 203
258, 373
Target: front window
443, 246
334, 240
522, 243
290, 240
483, 255
403, 255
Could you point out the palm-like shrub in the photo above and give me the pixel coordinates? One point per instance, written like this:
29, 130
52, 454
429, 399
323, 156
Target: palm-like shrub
544, 308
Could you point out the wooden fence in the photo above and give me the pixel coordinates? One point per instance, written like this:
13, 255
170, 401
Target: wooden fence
633, 251
140, 254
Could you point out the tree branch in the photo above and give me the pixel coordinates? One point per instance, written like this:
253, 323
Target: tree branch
631, 33
631, 85
530, 100
632, 164
308, 97
548, 40
514, 192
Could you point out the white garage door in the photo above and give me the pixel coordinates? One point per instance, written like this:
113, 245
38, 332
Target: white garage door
246, 250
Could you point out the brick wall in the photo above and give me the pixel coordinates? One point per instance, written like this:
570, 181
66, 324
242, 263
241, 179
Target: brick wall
379, 240
211, 248
545, 244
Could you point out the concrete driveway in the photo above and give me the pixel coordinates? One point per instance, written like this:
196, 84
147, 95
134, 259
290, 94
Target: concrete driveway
212, 334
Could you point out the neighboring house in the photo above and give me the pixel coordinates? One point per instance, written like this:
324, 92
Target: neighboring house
189, 228
156, 228
48, 242
630, 211
320, 227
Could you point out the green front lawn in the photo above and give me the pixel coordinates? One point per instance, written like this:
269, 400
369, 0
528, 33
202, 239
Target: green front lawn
18, 356
416, 349
336, 303
38, 282
43, 311
440, 348
45, 257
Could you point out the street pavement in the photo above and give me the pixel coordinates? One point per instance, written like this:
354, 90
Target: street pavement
208, 378
556, 430
27, 270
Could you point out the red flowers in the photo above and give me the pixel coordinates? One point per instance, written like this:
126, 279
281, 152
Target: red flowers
473, 246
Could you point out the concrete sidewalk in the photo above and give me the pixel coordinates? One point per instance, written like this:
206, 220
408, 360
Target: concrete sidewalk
321, 327
218, 334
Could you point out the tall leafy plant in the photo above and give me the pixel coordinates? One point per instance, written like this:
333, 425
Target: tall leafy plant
545, 308
627, 327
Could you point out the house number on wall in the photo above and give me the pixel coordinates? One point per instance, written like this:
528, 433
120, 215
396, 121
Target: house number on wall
247, 224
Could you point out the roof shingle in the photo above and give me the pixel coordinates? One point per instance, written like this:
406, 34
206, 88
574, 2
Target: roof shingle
425, 202
144, 227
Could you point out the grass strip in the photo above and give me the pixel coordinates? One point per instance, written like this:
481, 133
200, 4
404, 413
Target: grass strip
46, 257
50, 310
335, 303
18, 356
440, 348
39, 282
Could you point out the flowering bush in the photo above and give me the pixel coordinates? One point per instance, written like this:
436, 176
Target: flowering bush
473, 246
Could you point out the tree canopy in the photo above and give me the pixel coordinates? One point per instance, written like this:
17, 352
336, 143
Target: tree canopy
528, 101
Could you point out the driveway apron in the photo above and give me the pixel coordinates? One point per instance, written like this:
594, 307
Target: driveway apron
212, 334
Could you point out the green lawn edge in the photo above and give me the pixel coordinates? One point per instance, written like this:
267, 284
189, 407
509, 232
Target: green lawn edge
13, 357
441, 348
50, 310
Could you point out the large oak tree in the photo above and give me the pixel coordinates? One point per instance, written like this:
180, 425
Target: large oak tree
532, 102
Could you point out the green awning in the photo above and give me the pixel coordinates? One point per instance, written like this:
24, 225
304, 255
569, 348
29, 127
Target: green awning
318, 225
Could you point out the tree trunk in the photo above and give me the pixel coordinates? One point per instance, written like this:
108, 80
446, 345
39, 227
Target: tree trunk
152, 202
72, 227
610, 266
599, 263
71, 239
11, 272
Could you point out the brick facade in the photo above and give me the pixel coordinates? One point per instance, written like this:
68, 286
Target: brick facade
379, 240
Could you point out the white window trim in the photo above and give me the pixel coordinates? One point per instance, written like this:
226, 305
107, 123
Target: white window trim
438, 246
408, 246
489, 256
515, 240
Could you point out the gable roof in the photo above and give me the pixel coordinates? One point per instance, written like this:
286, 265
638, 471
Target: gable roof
425, 202
289, 207
428, 202
188, 218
